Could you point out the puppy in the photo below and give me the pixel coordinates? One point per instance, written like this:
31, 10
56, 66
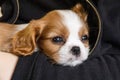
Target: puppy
63, 35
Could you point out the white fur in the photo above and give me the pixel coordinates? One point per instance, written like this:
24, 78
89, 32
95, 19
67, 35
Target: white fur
73, 23
21, 26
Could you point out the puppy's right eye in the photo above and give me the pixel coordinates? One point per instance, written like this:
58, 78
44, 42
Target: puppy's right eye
58, 39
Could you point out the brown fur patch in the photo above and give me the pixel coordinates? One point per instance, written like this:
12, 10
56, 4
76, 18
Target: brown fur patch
24, 42
53, 28
84, 31
78, 8
6, 33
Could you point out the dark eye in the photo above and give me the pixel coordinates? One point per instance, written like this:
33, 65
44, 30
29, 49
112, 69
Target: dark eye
84, 38
58, 39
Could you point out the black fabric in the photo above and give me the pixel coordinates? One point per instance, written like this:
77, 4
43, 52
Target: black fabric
110, 15
30, 9
1, 2
9, 11
102, 64
37, 67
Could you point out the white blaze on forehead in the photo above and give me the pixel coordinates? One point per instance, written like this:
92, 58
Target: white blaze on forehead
73, 23
71, 20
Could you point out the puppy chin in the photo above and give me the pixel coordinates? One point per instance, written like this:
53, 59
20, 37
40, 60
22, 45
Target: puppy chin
72, 61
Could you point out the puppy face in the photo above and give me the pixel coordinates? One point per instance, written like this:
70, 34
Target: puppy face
62, 35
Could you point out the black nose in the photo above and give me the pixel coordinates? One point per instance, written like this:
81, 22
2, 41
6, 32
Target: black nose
75, 50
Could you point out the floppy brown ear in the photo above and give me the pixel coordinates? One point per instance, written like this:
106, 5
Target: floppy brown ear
78, 8
24, 42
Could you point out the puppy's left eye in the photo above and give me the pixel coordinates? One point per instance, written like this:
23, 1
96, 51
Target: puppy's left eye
84, 38
58, 39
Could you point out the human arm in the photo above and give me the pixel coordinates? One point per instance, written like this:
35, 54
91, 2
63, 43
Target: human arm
7, 65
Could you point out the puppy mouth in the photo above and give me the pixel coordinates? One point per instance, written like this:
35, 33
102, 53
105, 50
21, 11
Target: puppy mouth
73, 61
75, 58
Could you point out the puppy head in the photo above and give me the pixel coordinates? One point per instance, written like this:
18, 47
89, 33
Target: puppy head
62, 35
